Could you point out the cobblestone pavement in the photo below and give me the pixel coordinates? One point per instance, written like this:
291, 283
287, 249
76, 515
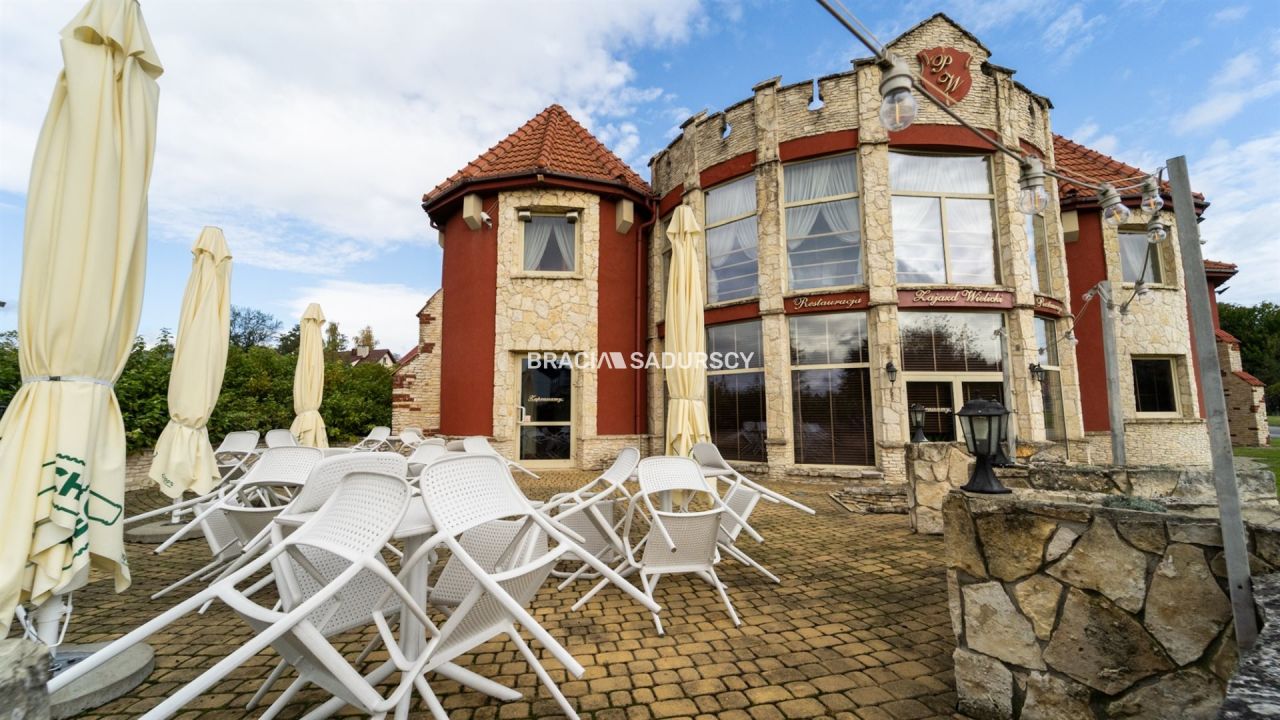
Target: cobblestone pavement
859, 628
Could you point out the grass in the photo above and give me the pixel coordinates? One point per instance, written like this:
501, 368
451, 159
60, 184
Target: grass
1269, 456
1273, 419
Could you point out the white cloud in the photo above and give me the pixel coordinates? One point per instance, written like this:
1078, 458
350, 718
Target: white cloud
1231, 13
1240, 224
1089, 135
1070, 33
317, 137
1238, 84
353, 305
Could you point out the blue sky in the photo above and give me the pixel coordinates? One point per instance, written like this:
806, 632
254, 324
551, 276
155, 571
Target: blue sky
311, 141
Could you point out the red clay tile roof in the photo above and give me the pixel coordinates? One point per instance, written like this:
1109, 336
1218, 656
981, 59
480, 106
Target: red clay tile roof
1247, 377
408, 357
1075, 159
552, 143
1226, 337
1219, 265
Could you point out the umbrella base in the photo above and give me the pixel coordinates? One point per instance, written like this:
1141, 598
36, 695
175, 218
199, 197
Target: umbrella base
125, 672
159, 531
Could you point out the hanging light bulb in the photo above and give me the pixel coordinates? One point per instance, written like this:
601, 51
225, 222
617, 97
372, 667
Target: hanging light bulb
1032, 199
1151, 200
1071, 338
1113, 210
1156, 233
898, 105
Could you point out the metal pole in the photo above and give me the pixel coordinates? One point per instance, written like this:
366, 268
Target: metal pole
1215, 406
1115, 402
1011, 431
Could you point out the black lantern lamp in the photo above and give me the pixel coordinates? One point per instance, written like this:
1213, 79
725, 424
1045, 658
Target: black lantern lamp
916, 414
983, 422
892, 371
1038, 373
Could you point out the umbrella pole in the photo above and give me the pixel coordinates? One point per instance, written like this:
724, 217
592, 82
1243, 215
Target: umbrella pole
49, 622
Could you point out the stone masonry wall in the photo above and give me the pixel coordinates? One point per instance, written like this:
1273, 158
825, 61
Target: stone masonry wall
1246, 406
415, 386
776, 114
1069, 610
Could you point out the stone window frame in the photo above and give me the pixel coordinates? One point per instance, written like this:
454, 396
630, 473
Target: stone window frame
793, 368
756, 369
957, 379
1176, 386
1039, 254
576, 272
706, 230
1159, 264
1049, 359
942, 210
856, 196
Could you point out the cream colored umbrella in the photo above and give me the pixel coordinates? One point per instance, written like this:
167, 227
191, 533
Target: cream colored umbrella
308, 381
62, 442
184, 458
686, 338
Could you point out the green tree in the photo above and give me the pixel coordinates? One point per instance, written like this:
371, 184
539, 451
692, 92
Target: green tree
334, 341
365, 338
10, 373
251, 327
143, 391
1257, 327
289, 341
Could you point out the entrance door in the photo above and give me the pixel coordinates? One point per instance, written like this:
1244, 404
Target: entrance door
546, 418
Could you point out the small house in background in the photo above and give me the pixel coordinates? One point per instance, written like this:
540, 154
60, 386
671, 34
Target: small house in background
1246, 406
364, 355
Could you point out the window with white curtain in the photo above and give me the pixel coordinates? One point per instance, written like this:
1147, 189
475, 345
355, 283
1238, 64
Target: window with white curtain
1051, 386
943, 209
1135, 250
549, 244
731, 241
824, 236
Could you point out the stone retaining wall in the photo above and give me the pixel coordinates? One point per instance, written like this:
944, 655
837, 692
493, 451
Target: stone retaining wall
1254, 692
1063, 609
935, 469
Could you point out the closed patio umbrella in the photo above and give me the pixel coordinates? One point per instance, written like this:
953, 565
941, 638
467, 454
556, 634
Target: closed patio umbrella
308, 381
184, 458
62, 441
685, 338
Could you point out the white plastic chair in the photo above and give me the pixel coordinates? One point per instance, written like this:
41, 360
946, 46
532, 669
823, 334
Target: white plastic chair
283, 465
590, 512
351, 530
742, 500
713, 464
423, 455
478, 444
680, 542
281, 437
411, 437
377, 439
232, 455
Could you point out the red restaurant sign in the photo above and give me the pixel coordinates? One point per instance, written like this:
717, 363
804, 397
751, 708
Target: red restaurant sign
955, 298
946, 73
826, 303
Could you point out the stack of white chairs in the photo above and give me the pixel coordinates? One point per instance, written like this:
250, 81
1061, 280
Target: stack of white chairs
234, 455
424, 454
227, 532
349, 531
379, 438
679, 540
590, 511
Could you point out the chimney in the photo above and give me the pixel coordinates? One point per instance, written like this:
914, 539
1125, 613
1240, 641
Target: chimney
362, 351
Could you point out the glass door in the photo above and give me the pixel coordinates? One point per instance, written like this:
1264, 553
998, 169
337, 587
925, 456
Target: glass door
546, 412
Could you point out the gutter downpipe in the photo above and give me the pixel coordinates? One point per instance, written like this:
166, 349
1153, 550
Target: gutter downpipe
641, 418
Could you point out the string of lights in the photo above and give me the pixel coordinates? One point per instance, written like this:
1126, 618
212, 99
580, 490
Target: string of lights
898, 109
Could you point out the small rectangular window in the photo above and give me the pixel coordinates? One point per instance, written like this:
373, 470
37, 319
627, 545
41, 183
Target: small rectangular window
1139, 259
1051, 386
824, 234
1154, 388
549, 244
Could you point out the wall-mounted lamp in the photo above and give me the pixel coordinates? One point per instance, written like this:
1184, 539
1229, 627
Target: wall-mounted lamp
1038, 373
892, 371
572, 217
524, 216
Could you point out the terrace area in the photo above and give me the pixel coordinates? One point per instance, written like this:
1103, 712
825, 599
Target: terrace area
858, 628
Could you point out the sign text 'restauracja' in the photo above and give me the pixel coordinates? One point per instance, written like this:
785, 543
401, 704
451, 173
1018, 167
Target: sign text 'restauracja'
804, 301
